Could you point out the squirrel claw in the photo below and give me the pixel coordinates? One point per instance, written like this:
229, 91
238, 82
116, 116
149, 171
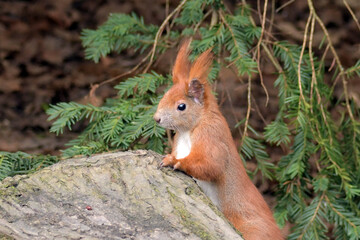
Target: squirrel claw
167, 161
160, 165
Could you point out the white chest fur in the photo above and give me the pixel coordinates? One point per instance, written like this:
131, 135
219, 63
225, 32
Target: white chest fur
183, 146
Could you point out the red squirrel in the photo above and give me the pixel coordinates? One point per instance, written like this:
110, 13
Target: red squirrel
204, 148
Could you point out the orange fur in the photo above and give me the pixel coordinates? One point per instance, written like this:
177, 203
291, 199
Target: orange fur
201, 67
182, 65
213, 156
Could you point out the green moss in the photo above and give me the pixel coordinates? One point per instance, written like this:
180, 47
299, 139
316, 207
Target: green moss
187, 220
197, 192
208, 202
97, 193
5, 237
8, 191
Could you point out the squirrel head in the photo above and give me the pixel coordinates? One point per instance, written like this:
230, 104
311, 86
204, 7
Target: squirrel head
184, 104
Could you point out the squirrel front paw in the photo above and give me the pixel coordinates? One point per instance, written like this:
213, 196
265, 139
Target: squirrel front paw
170, 160
167, 161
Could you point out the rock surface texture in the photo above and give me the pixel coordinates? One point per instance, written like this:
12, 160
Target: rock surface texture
118, 195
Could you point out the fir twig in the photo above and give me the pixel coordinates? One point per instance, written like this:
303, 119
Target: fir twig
301, 58
341, 68
122, 74
258, 51
352, 14
247, 112
159, 32
284, 5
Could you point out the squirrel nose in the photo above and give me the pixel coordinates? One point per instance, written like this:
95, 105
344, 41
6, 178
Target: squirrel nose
157, 119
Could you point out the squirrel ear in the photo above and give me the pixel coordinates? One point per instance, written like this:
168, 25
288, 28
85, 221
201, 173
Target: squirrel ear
201, 67
182, 65
196, 91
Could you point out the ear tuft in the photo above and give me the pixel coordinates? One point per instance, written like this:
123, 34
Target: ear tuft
196, 91
182, 65
201, 67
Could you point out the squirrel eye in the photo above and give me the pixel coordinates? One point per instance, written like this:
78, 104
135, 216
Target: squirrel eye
181, 107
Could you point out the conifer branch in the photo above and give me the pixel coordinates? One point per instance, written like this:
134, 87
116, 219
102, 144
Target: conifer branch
314, 215
314, 81
284, 5
313, 75
232, 35
258, 51
352, 14
202, 20
247, 111
159, 32
338, 213
132, 70
341, 68
301, 58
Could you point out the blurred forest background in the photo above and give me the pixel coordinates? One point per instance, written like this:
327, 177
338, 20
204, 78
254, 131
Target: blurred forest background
42, 62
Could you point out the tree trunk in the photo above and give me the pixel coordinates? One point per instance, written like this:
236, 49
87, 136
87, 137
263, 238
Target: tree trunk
118, 195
